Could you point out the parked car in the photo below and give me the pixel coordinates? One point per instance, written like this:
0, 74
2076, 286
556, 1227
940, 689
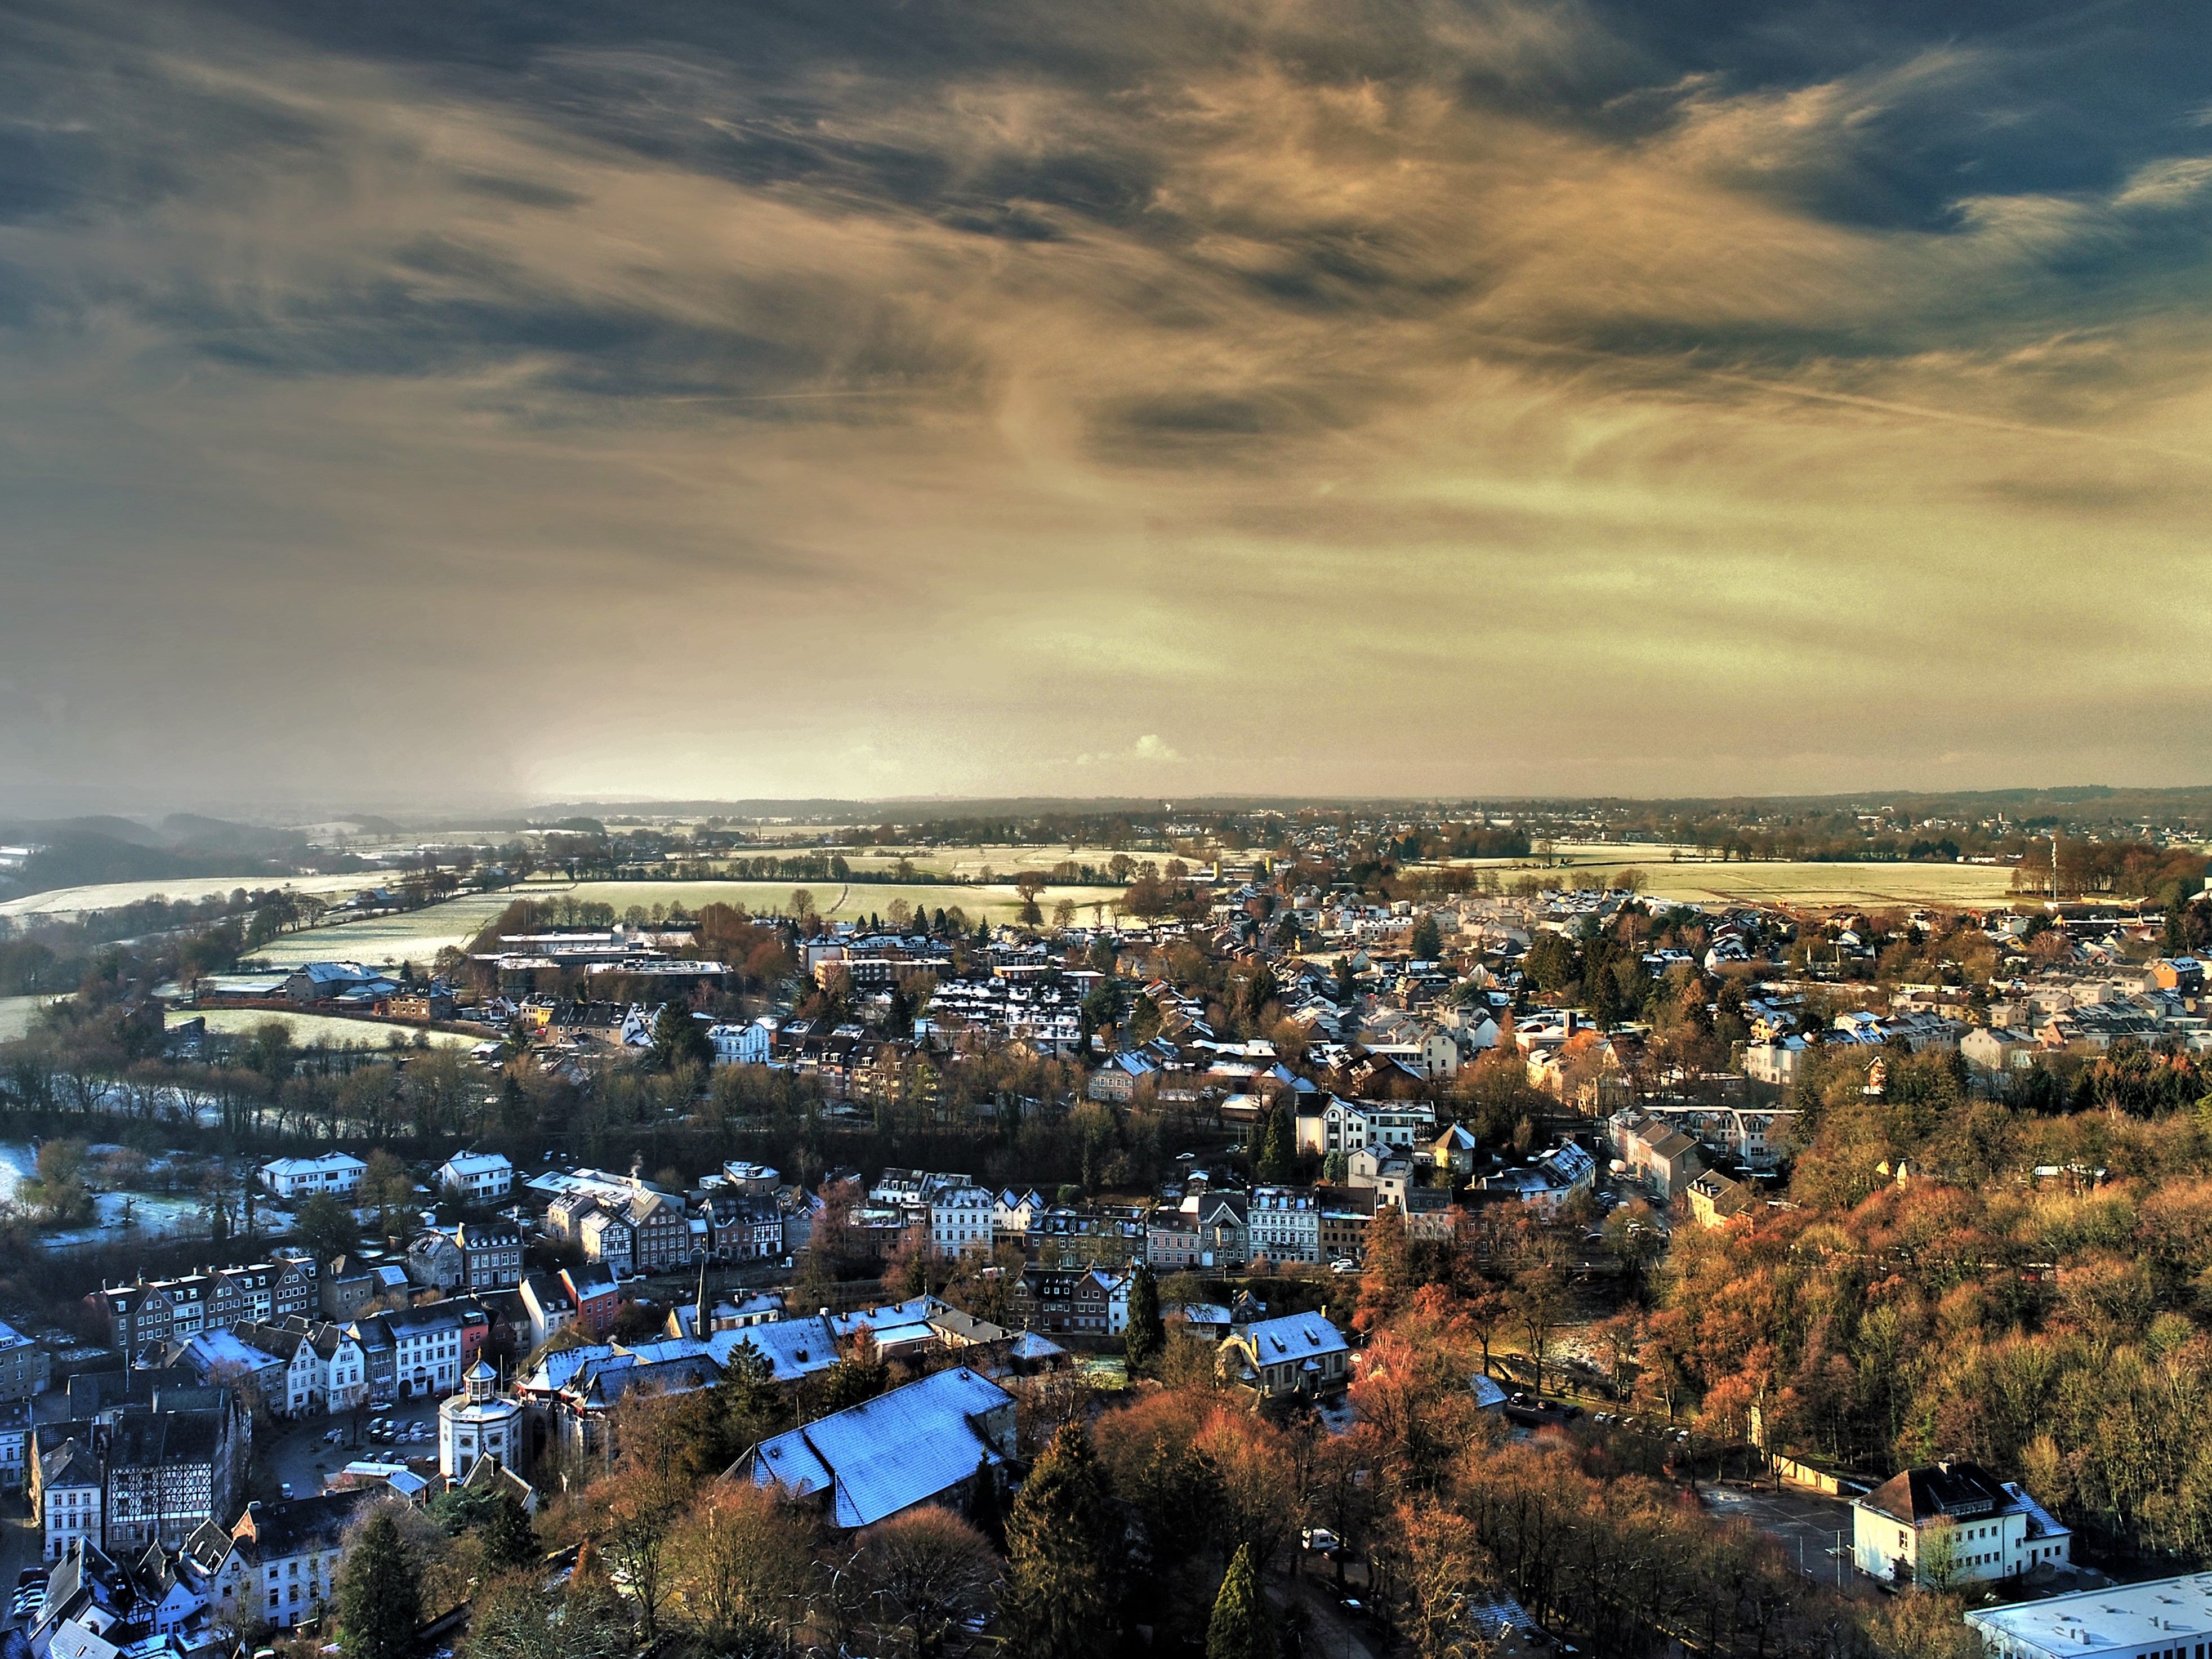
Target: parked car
1317, 1538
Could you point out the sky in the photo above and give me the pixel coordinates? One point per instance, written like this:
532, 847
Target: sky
418, 403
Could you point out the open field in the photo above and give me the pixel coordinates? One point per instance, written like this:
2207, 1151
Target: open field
384, 941
77, 901
16, 1014
1700, 883
838, 902
326, 1031
419, 935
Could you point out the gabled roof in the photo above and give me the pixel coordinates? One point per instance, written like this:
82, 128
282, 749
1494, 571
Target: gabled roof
1919, 1496
891, 1453
792, 1347
1292, 1338
271, 1532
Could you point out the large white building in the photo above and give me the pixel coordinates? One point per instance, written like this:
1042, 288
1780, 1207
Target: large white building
1954, 1523
1284, 1224
1347, 1125
294, 1179
960, 1222
2154, 1619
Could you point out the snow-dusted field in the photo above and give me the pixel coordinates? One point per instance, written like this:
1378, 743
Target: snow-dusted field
326, 1031
108, 895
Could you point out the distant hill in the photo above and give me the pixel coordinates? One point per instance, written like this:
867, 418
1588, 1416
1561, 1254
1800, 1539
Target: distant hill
189, 831
87, 852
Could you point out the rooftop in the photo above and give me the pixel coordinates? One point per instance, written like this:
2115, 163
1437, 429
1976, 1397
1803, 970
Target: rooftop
2155, 1615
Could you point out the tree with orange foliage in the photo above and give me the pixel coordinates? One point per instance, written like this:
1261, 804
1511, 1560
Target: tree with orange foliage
1440, 1563
1388, 1278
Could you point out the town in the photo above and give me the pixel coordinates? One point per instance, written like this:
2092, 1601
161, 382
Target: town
1318, 1232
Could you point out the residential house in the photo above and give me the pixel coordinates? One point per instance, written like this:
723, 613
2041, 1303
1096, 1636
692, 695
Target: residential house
1453, 1151
1284, 1224
67, 1498
425, 1344
1347, 1126
167, 1471
478, 1177
347, 1285
1298, 1354
1656, 1152
297, 1179
491, 1255
960, 1220
278, 1564
1343, 1215
1776, 1061
1171, 1239
1547, 1184
1715, 1197
550, 1307
1119, 1078
743, 1226
596, 1297
1997, 1049
434, 1260
1955, 1522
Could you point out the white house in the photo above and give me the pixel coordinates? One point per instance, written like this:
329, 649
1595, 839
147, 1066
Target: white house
478, 1176
426, 1344
1776, 1061
960, 1222
1954, 1523
70, 1485
1284, 1224
744, 1045
278, 1566
1013, 1213
1347, 1125
294, 1179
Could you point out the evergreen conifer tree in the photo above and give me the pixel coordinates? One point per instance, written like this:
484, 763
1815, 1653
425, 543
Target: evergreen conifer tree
987, 1511
1059, 1598
1147, 1333
1273, 1163
509, 1540
1240, 1627
379, 1594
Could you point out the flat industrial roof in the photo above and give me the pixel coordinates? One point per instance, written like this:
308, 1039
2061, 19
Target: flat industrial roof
2157, 1614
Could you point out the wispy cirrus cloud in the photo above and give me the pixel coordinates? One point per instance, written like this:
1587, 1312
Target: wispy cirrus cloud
975, 387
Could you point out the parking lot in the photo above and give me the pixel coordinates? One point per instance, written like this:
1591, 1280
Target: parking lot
300, 1456
1814, 1530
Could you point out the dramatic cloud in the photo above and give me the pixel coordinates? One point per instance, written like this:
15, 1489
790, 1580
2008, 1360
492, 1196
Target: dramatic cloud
888, 399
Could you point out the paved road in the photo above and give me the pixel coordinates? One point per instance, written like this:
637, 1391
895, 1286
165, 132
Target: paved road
20, 1547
